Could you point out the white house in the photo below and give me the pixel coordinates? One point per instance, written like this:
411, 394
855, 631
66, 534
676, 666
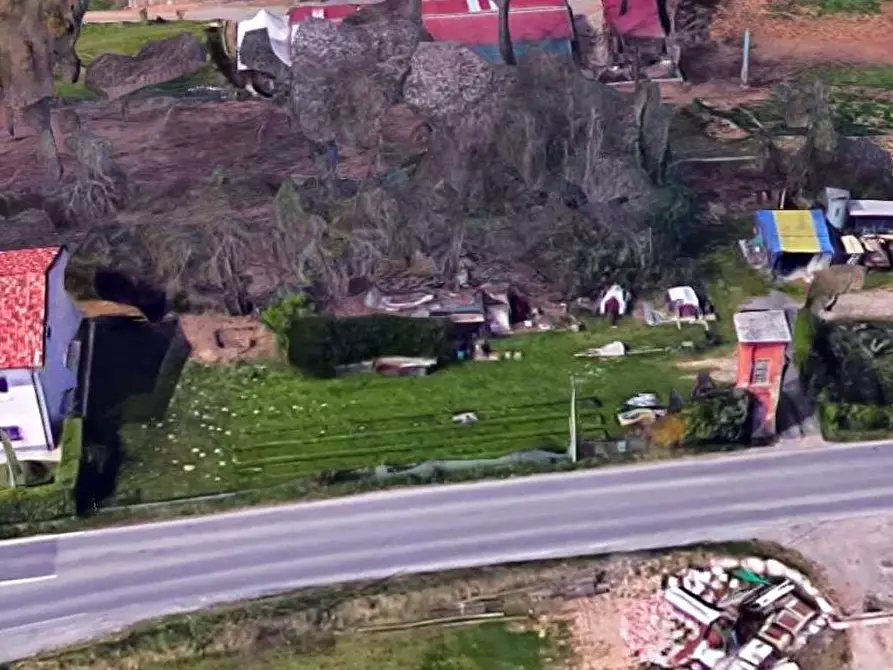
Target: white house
39, 350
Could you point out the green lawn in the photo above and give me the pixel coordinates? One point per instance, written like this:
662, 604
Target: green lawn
483, 647
249, 427
824, 7
128, 39
243, 427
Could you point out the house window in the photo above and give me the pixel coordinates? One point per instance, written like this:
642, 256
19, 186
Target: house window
759, 375
14, 433
73, 355
4, 385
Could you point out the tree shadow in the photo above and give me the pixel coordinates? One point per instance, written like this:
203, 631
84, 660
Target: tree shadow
134, 371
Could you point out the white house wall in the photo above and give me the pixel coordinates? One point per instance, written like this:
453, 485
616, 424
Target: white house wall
20, 407
63, 322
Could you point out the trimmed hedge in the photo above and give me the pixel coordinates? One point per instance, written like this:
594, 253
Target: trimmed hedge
805, 328
50, 501
318, 344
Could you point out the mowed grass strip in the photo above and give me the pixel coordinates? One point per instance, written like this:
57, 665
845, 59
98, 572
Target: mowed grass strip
483, 647
243, 426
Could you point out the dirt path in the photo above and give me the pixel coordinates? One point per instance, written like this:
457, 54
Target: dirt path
864, 569
856, 39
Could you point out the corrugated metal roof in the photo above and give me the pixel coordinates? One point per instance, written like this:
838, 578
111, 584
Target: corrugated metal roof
883, 208
768, 326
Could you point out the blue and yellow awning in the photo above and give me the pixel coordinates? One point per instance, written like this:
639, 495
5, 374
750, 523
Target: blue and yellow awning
794, 232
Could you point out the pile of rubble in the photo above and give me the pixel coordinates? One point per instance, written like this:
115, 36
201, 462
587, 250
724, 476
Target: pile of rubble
735, 614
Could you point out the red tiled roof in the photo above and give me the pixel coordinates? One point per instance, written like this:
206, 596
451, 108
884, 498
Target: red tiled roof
471, 21
23, 305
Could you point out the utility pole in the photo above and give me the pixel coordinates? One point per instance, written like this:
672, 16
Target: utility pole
572, 444
745, 63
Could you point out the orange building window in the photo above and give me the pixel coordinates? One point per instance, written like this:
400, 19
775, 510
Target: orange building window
759, 374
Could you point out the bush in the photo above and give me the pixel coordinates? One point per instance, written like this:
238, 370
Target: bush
804, 336
279, 316
718, 416
317, 345
858, 419
50, 501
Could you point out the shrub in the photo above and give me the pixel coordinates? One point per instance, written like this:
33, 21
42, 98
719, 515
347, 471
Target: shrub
718, 416
50, 501
804, 336
317, 345
279, 316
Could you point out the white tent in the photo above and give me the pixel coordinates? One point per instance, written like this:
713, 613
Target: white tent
278, 30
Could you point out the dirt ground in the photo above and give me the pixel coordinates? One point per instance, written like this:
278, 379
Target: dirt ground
864, 570
217, 338
723, 370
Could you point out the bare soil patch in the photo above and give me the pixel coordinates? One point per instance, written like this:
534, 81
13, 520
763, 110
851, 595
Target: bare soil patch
864, 570
722, 369
847, 38
223, 339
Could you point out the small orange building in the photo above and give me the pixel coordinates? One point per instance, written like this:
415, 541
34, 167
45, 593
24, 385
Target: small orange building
763, 339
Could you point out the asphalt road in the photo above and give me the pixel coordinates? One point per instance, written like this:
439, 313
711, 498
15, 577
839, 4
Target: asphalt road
98, 581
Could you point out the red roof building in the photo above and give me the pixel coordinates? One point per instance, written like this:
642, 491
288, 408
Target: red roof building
634, 18
23, 306
763, 338
545, 24
476, 22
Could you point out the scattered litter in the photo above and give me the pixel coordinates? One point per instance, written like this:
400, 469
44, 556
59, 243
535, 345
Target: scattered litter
465, 418
736, 613
403, 366
644, 400
635, 417
613, 350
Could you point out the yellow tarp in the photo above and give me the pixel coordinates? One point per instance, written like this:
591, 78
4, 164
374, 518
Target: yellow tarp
796, 232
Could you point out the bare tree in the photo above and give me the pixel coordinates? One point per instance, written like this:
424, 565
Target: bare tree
506, 49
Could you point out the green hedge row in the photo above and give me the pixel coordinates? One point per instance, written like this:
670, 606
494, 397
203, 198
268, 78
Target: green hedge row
805, 331
50, 501
318, 344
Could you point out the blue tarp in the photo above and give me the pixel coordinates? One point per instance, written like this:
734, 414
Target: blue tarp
491, 53
794, 232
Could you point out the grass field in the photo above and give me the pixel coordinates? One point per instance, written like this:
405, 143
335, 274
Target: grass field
128, 39
248, 427
484, 647
243, 427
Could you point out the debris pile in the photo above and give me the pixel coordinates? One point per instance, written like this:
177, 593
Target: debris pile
734, 614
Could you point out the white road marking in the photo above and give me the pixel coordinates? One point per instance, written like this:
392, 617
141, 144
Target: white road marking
26, 580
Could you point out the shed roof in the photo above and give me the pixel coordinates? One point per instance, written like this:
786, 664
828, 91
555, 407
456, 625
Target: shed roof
794, 231
476, 22
766, 326
634, 18
882, 208
23, 305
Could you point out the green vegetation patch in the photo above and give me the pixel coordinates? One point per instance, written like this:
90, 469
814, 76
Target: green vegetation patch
56, 500
850, 370
231, 428
246, 426
827, 7
127, 39
483, 647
